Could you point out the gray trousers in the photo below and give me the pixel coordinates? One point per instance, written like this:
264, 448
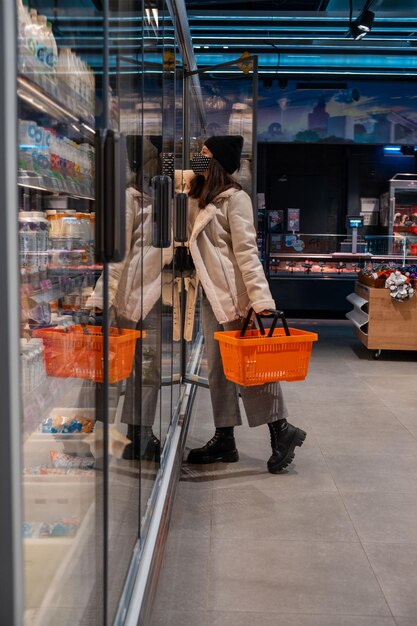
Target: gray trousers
143, 385
263, 403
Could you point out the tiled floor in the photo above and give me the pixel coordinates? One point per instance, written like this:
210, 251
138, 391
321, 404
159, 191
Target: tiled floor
330, 542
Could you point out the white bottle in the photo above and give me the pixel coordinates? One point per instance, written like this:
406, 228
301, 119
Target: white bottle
47, 57
39, 42
53, 57
23, 47
24, 365
43, 49
64, 74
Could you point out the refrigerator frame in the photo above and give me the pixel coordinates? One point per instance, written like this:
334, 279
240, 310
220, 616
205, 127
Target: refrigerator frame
11, 548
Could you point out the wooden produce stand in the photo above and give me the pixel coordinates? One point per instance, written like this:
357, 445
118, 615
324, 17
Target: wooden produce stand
380, 322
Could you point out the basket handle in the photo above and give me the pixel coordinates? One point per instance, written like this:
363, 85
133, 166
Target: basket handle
277, 315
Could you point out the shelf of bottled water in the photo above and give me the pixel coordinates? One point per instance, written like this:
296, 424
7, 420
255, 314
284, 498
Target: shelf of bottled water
61, 73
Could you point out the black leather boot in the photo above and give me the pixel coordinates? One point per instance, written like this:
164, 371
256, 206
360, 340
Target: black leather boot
284, 438
144, 444
221, 448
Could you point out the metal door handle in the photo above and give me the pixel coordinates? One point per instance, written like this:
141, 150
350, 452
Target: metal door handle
181, 217
110, 196
161, 211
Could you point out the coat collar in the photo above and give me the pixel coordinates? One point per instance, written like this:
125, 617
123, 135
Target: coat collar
204, 216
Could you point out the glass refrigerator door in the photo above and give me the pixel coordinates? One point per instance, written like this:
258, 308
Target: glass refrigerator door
224, 103
60, 100
142, 83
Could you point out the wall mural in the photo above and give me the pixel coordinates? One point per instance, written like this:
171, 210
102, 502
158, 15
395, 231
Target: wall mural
371, 112
357, 112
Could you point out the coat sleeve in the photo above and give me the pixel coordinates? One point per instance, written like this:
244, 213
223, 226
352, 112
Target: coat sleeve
116, 269
245, 249
183, 180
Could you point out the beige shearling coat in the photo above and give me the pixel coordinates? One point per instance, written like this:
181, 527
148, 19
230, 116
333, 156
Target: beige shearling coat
135, 283
223, 245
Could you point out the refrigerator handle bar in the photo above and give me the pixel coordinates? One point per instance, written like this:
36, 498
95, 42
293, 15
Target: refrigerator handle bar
110, 196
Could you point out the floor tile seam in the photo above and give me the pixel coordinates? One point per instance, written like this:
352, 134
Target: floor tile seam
384, 491
366, 555
384, 455
210, 559
406, 428
300, 541
280, 491
357, 533
255, 540
317, 403
306, 614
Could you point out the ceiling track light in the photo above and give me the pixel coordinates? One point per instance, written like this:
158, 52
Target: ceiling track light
362, 25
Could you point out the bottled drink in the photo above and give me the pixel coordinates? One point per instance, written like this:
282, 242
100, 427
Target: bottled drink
25, 54
39, 41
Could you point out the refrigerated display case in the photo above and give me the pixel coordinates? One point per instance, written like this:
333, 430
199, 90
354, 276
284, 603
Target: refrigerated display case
309, 272
91, 392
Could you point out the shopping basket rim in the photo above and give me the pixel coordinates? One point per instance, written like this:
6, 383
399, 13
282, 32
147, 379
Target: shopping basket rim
92, 331
279, 337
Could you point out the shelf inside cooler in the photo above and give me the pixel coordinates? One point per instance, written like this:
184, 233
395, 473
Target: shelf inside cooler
53, 100
32, 180
50, 563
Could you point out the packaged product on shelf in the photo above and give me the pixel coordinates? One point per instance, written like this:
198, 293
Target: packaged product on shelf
45, 470
66, 461
65, 527
66, 425
45, 41
27, 131
52, 51
25, 51
33, 368
27, 240
35, 35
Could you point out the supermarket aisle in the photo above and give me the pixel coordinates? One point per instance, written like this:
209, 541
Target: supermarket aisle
331, 542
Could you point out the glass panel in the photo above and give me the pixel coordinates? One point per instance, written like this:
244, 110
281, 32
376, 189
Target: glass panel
142, 72
168, 153
223, 103
152, 354
126, 302
59, 93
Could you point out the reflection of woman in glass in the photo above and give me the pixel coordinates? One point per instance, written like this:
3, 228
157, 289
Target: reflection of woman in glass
134, 292
224, 248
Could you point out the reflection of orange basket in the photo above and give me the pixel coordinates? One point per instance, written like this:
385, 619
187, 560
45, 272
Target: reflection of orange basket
256, 358
77, 352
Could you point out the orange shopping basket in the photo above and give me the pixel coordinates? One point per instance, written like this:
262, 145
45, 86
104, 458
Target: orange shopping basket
77, 352
252, 358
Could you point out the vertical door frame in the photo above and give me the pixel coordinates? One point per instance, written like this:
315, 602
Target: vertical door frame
11, 552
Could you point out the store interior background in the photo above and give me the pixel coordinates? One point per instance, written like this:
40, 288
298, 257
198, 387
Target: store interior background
336, 120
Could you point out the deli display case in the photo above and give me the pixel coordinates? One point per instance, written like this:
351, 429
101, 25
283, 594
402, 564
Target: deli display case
314, 273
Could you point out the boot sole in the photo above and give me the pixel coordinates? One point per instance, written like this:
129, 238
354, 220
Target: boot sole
298, 440
227, 457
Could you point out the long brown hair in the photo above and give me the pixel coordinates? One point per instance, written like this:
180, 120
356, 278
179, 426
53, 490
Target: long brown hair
217, 181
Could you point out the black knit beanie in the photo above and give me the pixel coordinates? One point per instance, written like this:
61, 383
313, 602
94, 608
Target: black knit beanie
226, 149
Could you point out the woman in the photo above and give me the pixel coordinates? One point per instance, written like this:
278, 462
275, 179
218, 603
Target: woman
223, 246
134, 294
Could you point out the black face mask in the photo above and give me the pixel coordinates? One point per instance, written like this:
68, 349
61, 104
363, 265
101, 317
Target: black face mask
168, 164
200, 163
